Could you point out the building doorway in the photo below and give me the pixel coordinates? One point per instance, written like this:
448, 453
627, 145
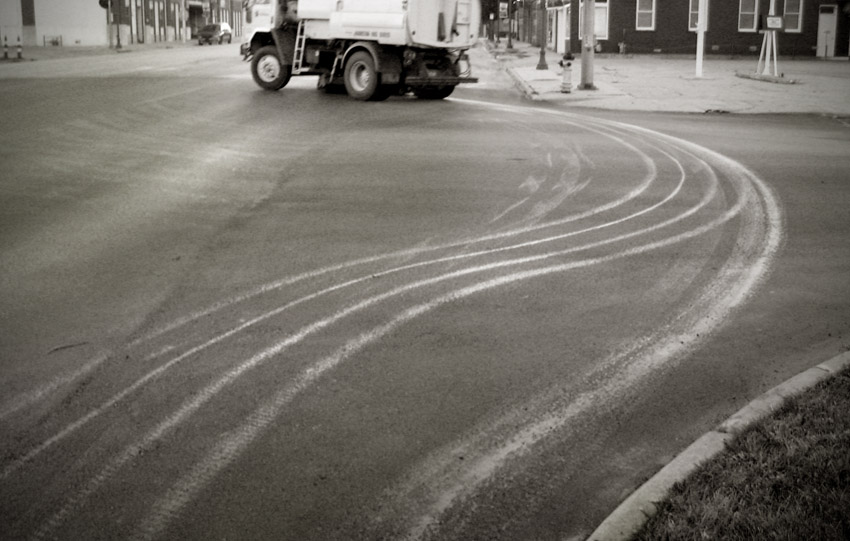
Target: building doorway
195, 17
827, 30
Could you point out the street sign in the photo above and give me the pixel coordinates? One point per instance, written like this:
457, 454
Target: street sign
773, 22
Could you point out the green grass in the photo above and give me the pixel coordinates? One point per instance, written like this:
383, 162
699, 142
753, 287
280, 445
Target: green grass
786, 478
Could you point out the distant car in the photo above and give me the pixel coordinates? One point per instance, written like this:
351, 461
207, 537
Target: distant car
215, 33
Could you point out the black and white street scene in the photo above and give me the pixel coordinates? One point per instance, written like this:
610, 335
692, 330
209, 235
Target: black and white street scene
424, 270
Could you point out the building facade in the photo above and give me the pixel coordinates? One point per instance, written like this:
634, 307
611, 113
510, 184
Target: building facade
734, 27
104, 22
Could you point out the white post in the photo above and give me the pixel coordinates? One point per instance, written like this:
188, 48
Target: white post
702, 23
768, 46
587, 45
769, 49
773, 35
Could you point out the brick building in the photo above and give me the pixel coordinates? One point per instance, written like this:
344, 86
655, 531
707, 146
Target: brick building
86, 22
811, 27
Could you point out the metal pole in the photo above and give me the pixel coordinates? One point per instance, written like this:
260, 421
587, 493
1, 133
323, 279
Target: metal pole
109, 22
701, 25
118, 32
773, 35
499, 27
510, 23
541, 63
587, 52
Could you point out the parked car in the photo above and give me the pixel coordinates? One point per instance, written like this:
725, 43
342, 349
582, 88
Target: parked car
215, 33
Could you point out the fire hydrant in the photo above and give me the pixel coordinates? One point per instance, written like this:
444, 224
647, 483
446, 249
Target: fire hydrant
567, 81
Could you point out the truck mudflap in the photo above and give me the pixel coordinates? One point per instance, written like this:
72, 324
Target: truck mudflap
438, 81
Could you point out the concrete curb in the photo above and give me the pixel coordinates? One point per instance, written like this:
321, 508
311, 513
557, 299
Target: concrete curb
630, 515
766, 78
524, 86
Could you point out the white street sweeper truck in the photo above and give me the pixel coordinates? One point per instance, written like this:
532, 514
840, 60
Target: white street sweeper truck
370, 48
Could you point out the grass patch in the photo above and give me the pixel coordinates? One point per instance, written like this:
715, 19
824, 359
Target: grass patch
786, 478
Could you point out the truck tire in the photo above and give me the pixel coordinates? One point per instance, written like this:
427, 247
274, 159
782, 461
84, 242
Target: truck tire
362, 81
267, 70
434, 92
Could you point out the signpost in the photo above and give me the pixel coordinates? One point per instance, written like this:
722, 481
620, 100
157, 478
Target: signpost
541, 35
587, 44
510, 24
702, 24
769, 46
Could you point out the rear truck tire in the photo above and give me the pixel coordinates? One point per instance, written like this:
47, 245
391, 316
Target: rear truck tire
362, 80
433, 92
267, 70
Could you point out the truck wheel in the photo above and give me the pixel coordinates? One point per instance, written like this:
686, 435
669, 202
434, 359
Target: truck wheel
361, 78
434, 92
267, 70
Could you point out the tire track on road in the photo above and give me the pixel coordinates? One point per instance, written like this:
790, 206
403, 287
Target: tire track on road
163, 368
238, 439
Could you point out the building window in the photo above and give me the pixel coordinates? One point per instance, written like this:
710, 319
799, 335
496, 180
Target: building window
748, 15
794, 16
600, 20
645, 18
693, 14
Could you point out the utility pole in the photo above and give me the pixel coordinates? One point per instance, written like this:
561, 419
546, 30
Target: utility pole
702, 24
510, 23
588, 43
118, 27
109, 22
541, 35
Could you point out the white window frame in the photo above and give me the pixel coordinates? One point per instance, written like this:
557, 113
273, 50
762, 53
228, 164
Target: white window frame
693, 14
644, 11
601, 6
754, 14
799, 13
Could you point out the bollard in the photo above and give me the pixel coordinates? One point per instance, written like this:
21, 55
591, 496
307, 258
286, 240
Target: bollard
567, 81
20, 53
6, 48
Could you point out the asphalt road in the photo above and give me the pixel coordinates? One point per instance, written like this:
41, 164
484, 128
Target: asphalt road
234, 314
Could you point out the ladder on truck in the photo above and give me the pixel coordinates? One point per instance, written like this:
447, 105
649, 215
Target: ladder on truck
298, 57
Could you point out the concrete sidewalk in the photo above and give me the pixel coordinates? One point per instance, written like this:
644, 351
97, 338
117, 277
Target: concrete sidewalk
668, 83
31, 54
